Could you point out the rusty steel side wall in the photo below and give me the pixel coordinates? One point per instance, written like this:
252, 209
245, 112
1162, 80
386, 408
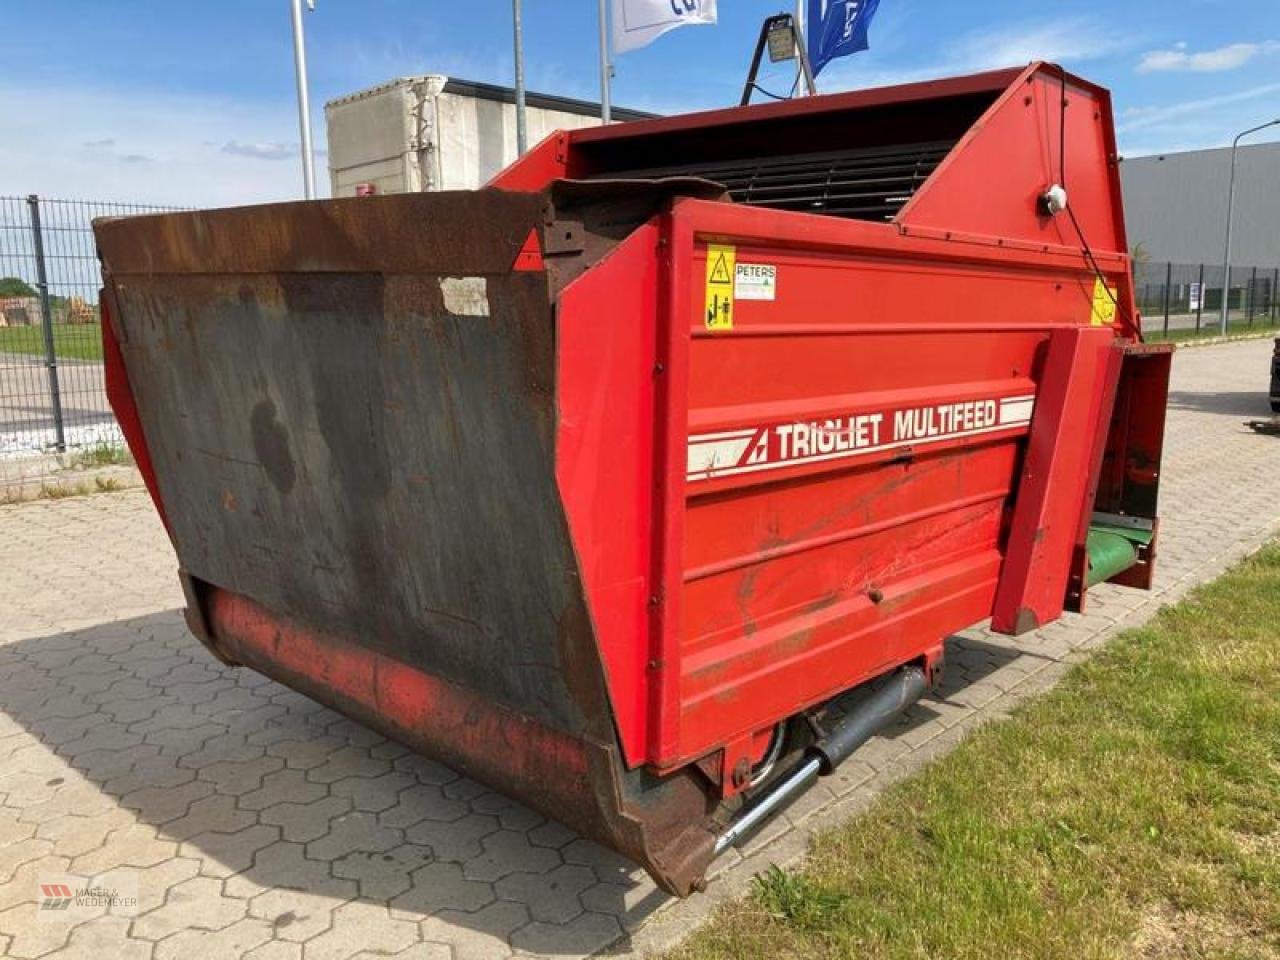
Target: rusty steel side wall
335, 441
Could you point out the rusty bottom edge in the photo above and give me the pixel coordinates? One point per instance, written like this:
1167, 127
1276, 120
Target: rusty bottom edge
665, 825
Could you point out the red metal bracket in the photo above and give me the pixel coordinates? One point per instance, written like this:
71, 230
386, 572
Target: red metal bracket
1055, 479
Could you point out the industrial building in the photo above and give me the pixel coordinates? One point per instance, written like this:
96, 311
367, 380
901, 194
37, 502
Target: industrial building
438, 133
1175, 205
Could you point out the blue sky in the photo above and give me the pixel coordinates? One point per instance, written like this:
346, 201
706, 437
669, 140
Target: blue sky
191, 102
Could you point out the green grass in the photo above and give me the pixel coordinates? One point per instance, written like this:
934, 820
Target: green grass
1133, 811
1237, 325
71, 341
100, 455
59, 490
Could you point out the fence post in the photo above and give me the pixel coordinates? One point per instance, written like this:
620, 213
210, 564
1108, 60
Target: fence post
1275, 281
1168, 292
1200, 298
1253, 294
46, 313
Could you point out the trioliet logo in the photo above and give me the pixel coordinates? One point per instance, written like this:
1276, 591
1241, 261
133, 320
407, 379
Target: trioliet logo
794, 442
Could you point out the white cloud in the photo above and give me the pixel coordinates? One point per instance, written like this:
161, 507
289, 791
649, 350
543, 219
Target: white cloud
1229, 57
1138, 118
1059, 40
1066, 38
148, 147
261, 151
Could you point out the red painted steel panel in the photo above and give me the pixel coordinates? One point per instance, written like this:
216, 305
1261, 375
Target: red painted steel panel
120, 396
1055, 477
775, 613
781, 563
672, 438
547, 161
606, 325
1020, 137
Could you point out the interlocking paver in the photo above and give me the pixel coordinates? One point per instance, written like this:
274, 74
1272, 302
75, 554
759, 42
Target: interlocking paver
260, 824
457, 840
382, 876
95, 941
283, 786
506, 852
440, 886
195, 903
584, 934
353, 833
235, 940
137, 845
373, 793
224, 854
306, 821
27, 936
550, 897
73, 835
357, 927
482, 935
237, 777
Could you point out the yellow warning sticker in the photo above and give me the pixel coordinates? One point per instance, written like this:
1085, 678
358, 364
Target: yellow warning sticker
1104, 304
719, 305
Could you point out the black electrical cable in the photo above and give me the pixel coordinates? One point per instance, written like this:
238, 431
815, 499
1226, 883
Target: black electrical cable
1062, 129
767, 93
1062, 182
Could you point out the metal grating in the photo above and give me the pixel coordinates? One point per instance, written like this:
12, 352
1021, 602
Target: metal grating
864, 184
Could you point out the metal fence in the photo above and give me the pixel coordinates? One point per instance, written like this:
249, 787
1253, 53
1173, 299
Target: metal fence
1180, 300
52, 399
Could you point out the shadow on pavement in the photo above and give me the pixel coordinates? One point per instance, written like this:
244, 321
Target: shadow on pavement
1244, 403
294, 802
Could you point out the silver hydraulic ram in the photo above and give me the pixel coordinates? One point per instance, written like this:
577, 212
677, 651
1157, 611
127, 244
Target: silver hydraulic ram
903, 689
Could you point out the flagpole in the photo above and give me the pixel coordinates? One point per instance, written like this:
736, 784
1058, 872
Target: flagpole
604, 61
304, 101
522, 121
801, 26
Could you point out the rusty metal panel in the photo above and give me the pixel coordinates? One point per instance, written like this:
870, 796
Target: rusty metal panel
315, 433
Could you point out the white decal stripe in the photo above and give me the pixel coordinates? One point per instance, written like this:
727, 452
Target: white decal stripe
722, 435
713, 457
712, 472
707, 467
751, 431
1016, 410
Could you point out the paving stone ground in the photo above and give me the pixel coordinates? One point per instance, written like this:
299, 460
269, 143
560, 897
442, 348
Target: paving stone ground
251, 822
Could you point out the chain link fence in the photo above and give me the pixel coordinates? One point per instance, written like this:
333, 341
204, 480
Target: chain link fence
1183, 300
53, 403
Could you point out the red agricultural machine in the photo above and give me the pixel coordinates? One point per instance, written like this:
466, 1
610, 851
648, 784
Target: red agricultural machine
598, 483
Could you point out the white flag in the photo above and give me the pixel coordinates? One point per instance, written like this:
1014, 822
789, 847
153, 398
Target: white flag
640, 22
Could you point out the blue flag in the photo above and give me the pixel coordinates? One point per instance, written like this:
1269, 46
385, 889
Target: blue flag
837, 28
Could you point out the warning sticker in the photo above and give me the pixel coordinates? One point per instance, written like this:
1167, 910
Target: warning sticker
719, 303
755, 281
1104, 304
